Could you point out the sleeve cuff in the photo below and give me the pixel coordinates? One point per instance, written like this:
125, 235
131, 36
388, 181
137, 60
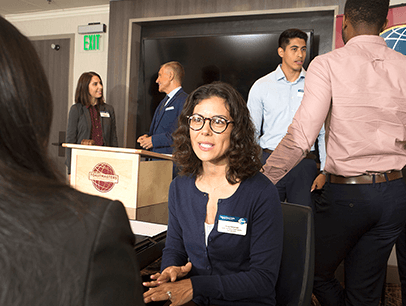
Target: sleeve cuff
205, 285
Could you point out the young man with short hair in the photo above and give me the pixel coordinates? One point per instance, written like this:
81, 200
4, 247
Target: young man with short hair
273, 101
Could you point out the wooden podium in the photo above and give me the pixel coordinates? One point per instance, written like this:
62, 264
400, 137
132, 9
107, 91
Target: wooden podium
121, 174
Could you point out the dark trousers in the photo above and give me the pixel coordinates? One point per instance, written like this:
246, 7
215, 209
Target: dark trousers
295, 186
358, 224
401, 258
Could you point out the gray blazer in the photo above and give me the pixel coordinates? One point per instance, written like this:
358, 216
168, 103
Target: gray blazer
80, 126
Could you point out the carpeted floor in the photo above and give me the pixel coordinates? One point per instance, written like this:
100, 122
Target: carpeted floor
392, 297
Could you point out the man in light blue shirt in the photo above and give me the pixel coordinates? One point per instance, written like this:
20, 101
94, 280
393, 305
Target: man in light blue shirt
273, 101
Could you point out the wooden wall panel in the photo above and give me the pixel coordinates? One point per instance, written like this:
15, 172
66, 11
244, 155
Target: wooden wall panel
57, 66
120, 13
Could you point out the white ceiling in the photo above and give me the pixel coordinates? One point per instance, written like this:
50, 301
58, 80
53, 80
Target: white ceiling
8, 7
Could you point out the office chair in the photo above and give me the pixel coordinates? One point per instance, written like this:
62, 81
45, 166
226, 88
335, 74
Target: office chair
295, 281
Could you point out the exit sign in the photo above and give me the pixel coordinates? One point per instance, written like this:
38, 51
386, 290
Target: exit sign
93, 42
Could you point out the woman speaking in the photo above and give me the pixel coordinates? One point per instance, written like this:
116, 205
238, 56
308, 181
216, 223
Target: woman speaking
224, 239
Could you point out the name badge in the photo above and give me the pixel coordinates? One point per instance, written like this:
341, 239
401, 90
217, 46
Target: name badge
104, 114
300, 93
169, 108
232, 225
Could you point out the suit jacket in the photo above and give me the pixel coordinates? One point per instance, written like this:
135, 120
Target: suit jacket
165, 122
73, 249
80, 126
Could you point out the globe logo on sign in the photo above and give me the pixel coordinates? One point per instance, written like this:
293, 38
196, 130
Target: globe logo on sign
395, 38
242, 221
103, 177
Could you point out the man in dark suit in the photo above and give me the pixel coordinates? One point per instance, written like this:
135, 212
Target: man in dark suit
165, 120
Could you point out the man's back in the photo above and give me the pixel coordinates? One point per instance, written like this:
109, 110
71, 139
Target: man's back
366, 121
358, 91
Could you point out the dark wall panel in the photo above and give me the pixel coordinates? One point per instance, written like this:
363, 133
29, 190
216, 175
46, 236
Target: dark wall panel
203, 46
122, 11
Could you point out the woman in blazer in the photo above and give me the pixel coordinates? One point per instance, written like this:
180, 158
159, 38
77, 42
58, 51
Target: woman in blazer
58, 246
90, 118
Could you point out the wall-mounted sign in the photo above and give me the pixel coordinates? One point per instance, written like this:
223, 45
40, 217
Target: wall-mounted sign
395, 38
92, 42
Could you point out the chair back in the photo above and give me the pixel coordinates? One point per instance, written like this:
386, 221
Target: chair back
295, 280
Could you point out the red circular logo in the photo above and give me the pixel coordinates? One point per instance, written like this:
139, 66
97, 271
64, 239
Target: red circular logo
103, 177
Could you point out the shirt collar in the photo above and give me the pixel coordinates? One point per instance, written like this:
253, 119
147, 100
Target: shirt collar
281, 76
173, 92
360, 39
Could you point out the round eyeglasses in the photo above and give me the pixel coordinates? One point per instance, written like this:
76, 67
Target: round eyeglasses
217, 124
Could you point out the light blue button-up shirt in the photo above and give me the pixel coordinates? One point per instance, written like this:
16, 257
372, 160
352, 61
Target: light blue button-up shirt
272, 102
172, 94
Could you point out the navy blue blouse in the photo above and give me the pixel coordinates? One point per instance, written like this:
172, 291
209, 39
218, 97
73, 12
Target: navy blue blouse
233, 269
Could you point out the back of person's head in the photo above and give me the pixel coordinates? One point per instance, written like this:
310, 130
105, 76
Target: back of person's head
33, 271
372, 13
243, 153
177, 69
287, 35
82, 94
26, 108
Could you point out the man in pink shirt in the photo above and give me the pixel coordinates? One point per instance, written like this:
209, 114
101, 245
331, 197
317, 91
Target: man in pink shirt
359, 92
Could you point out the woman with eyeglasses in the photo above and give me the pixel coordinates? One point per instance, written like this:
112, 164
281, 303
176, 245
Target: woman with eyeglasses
224, 239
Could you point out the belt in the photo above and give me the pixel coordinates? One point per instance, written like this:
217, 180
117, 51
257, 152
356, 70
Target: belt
366, 178
310, 155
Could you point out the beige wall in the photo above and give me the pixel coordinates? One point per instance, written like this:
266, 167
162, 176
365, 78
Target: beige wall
394, 2
58, 23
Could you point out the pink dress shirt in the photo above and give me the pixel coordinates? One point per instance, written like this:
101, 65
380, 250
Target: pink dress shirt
359, 92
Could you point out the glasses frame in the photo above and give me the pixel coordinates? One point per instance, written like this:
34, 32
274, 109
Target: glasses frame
189, 118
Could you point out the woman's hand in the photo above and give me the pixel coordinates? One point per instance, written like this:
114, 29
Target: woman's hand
178, 293
153, 283
87, 142
171, 274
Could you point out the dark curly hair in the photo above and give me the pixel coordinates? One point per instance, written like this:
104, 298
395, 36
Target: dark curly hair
371, 12
244, 152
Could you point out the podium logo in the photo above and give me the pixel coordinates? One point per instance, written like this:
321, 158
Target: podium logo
103, 177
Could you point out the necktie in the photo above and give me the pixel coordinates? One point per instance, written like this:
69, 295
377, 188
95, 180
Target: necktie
163, 103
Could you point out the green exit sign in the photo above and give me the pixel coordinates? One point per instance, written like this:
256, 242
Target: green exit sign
92, 42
